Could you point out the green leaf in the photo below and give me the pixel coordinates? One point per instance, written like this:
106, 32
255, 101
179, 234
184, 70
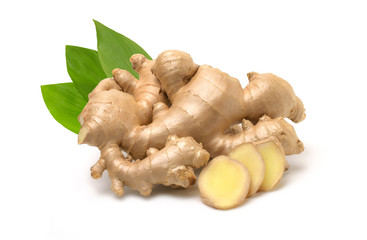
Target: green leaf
115, 50
64, 103
84, 69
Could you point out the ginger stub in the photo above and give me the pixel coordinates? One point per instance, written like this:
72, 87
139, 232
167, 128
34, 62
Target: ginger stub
224, 183
252, 160
275, 163
172, 166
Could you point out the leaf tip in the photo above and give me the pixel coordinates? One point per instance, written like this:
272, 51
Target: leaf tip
97, 24
43, 87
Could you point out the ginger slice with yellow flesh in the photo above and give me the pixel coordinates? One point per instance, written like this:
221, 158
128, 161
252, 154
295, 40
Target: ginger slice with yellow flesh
275, 163
252, 160
224, 183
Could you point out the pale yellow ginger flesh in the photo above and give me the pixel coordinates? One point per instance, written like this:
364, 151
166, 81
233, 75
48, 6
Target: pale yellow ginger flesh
224, 183
252, 160
275, 163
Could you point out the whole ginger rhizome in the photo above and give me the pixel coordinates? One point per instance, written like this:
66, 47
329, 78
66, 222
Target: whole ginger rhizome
178, 115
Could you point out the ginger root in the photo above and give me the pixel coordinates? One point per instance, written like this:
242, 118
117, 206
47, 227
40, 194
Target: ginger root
266, 127
171, 166
175, 96
205, 103
224, 183
271, 86
119, 104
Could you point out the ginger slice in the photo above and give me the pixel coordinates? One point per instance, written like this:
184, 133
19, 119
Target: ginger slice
251, 158
224, 183
272, 153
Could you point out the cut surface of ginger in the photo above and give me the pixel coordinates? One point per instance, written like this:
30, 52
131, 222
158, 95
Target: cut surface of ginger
251, 158
275, 162
224, 183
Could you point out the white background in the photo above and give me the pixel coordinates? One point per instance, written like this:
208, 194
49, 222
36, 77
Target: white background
320, 47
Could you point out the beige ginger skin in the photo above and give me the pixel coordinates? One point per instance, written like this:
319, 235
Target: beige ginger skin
247, 132
205, 103
124, 113
119, 104
171, 166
